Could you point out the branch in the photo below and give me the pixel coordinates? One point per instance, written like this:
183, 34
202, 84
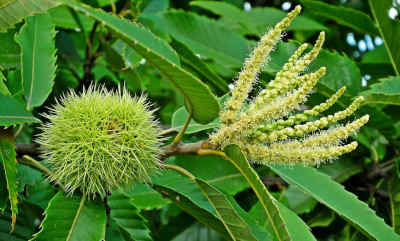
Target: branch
184, 149
27, 149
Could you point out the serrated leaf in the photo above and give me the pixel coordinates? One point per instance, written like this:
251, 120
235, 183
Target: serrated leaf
274, 222
40, 194
62, 17
3, 87
144, 197
340, 170
130, 57
3, 190
22, 231
38, 61
386, 91
297, 228
340, 71
187, 196
206, 37
127, 217
258, 20
348, 17
13, 11
389, 30
198, 96
178, 120
198, 232
323, 218
59, 225
14, 113
334, 196
236, 226
376, 56
394, 195
8, 158
10, 51
188, 57
223, 175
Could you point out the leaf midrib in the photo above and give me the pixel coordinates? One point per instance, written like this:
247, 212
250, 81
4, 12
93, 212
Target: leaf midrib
29, 102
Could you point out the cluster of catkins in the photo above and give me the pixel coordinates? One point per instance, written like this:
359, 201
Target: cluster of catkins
269, 130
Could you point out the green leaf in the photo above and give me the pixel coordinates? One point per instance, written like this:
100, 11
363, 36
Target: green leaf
144, 197
40, 194
13, 113
258, 20
299, 201
394, 195
198, 96
223, 175
113, 232
13, 11
198, 232
3, 87
340, 170
348, 17
127, 217
389, 30
376, 56
333, 195
10, 51
178, 120
188, 57
62, 17
386, 91
340, 71
236, 226
60, 224
154, 6
23, 229
323, 218
3, 190
206, 37
38, 60
130, 57
274, 222
187, 196
297, 228
9, 159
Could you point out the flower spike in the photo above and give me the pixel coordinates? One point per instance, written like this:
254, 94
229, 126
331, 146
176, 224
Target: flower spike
272, 129
252, 67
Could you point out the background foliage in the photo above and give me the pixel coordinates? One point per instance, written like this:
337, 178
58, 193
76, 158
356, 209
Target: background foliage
183, 55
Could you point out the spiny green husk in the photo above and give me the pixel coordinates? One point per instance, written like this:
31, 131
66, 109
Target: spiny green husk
100, 140
272, 129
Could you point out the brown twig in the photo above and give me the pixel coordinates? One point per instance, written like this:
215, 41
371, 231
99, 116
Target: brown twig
90, 58
380, 170
27, 149
274, 181
184, 149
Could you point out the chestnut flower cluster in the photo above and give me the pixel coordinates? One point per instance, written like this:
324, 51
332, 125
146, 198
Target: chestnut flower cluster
271, 129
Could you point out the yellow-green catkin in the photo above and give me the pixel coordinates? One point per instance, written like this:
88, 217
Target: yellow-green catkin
337, 134
286, 79
273, 129
290, 154
300, 130
251, 68
304, 116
